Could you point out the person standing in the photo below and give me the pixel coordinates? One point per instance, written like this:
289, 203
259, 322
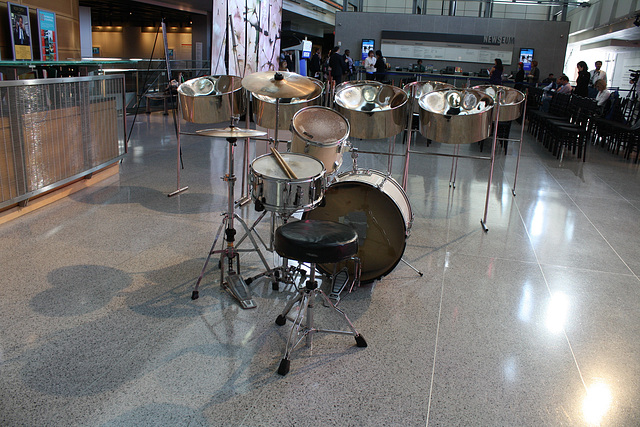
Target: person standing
519, 77
534, 74
348, 65
596, 74
335, 63
495, 76
291, 66
370, 65
381, 66
582, 82
314, 64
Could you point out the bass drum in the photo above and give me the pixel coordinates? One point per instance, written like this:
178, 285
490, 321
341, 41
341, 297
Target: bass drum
376, 206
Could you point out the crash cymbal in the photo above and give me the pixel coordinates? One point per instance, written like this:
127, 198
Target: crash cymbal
280, 84
233, 132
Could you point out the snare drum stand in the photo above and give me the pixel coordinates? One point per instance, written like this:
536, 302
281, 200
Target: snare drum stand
234, 283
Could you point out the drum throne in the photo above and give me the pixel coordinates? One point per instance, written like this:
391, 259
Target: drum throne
315, 242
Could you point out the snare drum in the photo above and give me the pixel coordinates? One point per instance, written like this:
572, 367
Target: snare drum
320, 132
271, 187
378, 209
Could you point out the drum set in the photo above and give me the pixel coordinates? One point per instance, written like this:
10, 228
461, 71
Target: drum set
306, 178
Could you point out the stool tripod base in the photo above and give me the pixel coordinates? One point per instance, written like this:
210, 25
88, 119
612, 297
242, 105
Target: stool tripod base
306, 298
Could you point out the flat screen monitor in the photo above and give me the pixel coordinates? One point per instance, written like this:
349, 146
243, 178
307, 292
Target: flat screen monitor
367, 45
526, 56
306, 49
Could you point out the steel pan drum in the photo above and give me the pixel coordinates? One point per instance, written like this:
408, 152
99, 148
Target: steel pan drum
511, 101
278, 193
374, 110
357, 82
422, 88
375, 205
456, 116
264, 107
320, 132
208, 99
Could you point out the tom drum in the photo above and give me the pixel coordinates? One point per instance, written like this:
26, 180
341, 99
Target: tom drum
320, 132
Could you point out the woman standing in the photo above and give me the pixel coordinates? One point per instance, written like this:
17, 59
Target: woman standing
381, 66
534, 73
495, 77
370, 65
582, 82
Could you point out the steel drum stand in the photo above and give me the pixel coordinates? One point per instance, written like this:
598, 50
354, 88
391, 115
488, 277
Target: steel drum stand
179, 148
234, 283
483, 221
524, 117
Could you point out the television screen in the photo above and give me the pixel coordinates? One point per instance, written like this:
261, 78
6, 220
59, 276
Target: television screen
367, 45
526, 56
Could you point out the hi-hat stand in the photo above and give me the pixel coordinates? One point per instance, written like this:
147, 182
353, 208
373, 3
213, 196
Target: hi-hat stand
234, 282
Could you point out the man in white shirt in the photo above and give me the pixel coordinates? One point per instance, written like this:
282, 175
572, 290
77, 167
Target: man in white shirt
596, 74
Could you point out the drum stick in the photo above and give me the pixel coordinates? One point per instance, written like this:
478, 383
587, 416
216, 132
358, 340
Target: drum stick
283, 164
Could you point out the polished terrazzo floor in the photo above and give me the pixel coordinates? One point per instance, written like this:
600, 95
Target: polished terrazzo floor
533, 323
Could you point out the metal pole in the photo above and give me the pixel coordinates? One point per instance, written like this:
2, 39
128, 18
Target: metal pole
483, 222
524, 117
244, 195
275, 135
405, 173
179, 149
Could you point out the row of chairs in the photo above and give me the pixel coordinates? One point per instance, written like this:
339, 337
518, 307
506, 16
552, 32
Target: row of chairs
619, 129
564, 122
571, 122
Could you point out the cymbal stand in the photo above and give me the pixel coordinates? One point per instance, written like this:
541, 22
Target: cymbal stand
246, 187
234, 282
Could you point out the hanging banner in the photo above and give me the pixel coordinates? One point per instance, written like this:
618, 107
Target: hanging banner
246, 36
219, 38
20, 32
47, 35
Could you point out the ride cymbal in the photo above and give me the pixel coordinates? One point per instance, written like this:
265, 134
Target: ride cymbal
279, 84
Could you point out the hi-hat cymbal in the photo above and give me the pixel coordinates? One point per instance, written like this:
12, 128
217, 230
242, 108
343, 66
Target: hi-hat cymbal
279, 84
233, 132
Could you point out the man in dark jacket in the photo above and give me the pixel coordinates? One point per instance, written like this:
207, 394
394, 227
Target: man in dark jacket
314, 64
335, 62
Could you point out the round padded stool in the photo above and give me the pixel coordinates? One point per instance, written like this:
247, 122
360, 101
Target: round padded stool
316, 241
313, 241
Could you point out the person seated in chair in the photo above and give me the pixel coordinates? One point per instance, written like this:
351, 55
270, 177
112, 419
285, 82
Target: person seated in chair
602, 98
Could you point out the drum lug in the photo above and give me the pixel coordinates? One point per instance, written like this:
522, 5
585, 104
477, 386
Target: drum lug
306, 149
